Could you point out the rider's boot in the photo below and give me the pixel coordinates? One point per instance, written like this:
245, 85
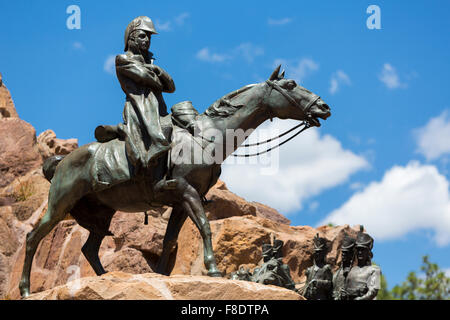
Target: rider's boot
157, 149
165, 184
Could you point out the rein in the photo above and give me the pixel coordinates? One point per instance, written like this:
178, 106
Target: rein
306, 126
305, 123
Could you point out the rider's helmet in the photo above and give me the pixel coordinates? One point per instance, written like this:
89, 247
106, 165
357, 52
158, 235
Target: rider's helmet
139, 23
277, 248
320, 244
267, 251
348, 243
363, 240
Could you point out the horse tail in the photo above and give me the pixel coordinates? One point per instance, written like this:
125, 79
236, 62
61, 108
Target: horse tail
49, 166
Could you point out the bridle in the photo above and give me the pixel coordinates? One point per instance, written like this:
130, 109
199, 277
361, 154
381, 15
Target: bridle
306, 123
292, 101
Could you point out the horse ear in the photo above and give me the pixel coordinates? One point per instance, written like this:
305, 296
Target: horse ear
282, 75
275, 73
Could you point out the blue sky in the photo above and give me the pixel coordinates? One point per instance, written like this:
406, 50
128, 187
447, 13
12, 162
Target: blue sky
381, 159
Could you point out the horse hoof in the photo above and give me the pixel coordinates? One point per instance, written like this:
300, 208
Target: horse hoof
216, 274
24, 293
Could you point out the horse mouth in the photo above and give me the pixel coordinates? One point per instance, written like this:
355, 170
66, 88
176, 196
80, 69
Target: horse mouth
314, 120
322, 114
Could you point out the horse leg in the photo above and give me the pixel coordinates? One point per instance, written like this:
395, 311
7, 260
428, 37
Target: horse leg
90, 251
192, 204
176, 221
55, 213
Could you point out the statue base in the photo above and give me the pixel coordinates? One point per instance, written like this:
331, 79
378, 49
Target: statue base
151, 286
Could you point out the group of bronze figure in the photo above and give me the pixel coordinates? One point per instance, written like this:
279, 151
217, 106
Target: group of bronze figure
273, 271
356, 279
147, 161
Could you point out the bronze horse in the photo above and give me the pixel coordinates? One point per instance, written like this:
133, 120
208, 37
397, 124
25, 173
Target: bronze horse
73, 188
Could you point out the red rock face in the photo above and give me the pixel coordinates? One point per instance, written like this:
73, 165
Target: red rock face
23, 188
18, 150
7, 109
237, 241
49, 145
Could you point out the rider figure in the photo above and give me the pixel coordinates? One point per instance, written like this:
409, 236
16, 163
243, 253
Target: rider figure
143, 83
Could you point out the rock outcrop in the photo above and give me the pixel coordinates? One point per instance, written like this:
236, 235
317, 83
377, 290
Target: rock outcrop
49, 145
7, 109
237, 241
150, 286
18, 150
23, 188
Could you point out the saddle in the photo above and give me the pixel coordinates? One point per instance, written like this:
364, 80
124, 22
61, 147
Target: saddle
112, 166
183, 115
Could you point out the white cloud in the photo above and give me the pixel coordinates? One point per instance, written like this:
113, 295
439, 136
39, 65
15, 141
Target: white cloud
338, 79
180, 19
390, 77
407, 199
205, 55
78, 46
246, 50
163, 26
298, 69
314, 205
433, 140
279, 22
168, 25
356, 186
303, 168
110, 64
249, 51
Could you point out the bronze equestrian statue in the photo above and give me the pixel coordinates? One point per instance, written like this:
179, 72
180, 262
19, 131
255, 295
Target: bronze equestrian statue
100, 178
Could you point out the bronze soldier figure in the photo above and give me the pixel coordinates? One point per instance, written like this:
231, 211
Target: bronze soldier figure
273, 271
363, 280
243, 274
283, 270
339, 278
143, 83
319, 277
259, 274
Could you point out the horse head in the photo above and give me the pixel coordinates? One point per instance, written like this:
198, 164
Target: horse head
289, 100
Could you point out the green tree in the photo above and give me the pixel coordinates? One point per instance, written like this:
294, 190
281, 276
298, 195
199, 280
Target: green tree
384, 293
433, 285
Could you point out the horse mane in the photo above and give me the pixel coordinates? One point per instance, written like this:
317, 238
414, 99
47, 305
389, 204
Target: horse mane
224, 107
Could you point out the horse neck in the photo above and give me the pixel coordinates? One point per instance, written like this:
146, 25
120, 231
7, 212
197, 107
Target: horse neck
247, 118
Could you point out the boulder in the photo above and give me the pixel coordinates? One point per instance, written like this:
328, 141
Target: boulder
7, 108
49, 145
18, 150
150, 286
224, 204
237, 241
